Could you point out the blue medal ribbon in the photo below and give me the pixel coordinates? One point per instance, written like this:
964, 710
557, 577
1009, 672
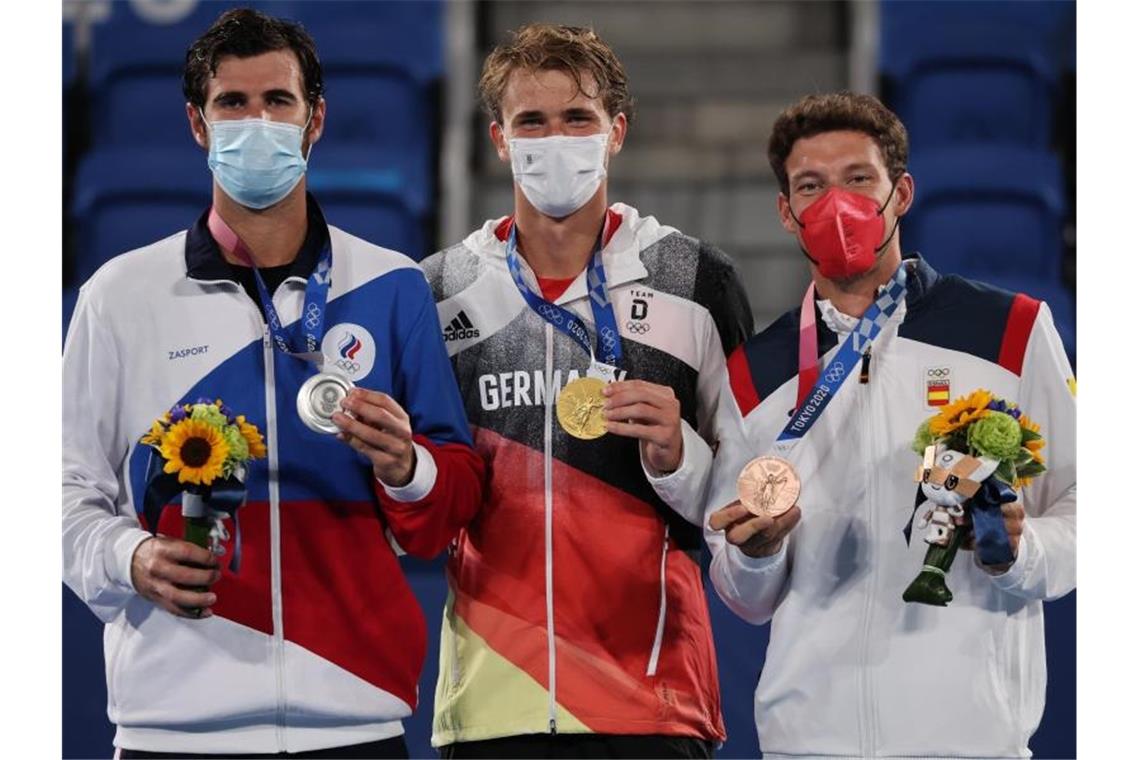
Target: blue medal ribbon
844, 361
311, 325
605, 320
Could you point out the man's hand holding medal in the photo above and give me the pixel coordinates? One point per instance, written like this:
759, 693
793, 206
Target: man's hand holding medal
381, 430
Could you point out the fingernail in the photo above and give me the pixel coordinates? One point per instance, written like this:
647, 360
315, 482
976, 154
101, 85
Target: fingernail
607, 390
211, 598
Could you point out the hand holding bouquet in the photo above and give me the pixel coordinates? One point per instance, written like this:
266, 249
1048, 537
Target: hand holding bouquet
976, 452
203, 449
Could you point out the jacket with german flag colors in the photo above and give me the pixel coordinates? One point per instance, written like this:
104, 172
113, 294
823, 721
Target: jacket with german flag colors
317, 640
576, 602
851, 670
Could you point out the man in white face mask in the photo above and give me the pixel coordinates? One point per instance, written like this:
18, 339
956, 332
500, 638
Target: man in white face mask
588, 341
314, 642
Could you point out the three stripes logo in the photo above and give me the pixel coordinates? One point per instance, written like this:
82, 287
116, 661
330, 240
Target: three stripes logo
460, 328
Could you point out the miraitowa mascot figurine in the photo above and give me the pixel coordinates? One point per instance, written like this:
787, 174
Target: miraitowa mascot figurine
974, 455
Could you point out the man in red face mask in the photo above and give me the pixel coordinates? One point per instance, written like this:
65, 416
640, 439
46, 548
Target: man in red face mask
836, 388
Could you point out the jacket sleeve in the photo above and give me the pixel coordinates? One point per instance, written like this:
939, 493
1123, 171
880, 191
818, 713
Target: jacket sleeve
447, 484
729, 324
750, 587
1046, 566
99, 540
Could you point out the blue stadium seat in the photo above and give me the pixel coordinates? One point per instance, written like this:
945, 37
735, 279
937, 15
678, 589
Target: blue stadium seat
993, 213
965, 82
127, 198
136, 74
379, 61
383, 200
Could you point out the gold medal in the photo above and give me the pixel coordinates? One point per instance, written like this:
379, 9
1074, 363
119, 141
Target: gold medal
580, 408
768, 486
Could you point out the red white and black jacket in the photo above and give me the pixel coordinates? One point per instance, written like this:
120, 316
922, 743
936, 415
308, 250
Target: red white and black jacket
576, 599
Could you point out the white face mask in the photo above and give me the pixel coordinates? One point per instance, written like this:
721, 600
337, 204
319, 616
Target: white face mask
559, 174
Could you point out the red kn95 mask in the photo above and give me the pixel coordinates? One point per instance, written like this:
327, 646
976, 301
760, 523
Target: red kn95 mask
843, 232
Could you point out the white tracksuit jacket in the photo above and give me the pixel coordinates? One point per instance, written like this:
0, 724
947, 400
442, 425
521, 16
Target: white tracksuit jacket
851, 670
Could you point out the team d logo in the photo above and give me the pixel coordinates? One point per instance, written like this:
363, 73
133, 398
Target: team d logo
350, 349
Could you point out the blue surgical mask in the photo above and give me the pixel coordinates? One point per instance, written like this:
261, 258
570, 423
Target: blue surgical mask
257, 162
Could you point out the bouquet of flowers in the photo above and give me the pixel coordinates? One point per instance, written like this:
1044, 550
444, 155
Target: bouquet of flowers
202, 452
975, 453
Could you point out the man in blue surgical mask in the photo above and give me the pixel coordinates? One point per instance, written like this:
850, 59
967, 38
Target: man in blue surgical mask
588, 339
295, 631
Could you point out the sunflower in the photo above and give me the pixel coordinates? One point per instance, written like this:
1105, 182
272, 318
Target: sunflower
154, 436
1034, 446
961, 412
253, 437
195, 450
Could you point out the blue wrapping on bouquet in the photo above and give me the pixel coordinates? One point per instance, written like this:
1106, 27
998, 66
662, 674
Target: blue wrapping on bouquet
224, 495
991, 540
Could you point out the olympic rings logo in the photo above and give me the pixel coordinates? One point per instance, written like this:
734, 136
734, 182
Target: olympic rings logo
835, 374
550, 313
638, 328
350, 367
312, 316
942, 372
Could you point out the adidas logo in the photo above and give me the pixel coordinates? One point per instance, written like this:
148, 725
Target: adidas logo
460, 328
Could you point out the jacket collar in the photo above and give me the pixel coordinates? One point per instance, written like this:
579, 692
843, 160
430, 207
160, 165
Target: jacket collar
920, 278
622, 242
204, 260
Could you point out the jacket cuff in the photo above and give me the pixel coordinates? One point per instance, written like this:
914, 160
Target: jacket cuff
681, 489
1028, 555
757, 565
119, 551
423, 479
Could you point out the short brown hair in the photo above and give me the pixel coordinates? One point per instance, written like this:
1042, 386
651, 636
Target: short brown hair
573, 49
831, 112
244, 32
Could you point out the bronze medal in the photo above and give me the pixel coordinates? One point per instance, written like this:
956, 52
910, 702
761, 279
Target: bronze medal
580, 408
768, 486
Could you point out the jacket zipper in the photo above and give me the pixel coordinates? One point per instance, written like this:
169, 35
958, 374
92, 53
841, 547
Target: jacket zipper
656, 651
866, 720
548, 497
274, 531
865, 370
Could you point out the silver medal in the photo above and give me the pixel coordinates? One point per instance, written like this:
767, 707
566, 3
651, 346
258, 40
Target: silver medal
319, 398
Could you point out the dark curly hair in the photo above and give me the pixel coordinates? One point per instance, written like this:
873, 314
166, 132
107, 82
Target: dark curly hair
836, 111
244, 32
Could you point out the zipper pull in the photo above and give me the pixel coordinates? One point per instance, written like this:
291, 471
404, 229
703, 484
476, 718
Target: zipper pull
553, 728
865, 371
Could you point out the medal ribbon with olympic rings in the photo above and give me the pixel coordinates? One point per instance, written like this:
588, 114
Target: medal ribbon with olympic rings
605, 321
311, 324
810, 405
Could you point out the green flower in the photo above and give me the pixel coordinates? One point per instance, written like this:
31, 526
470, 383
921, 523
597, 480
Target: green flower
239, 447
997, 436
923, 437
209, 413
